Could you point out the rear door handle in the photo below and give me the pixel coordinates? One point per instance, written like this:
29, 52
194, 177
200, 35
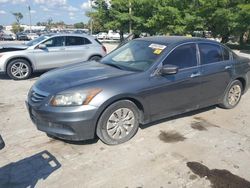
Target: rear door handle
195, 75
228, 67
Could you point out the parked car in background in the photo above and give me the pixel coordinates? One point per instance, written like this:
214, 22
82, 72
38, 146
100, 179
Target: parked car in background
113, 35
102, 35
32, 36
22, 36
145, 80
47, 52
4, 36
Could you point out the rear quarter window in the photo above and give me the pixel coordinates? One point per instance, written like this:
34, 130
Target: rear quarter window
225, 54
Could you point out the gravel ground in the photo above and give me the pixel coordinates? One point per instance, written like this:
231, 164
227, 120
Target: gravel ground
209, 147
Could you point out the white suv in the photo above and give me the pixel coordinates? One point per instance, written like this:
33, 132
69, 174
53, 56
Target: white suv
47, 52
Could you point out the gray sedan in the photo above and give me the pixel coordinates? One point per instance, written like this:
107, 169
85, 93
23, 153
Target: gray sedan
47, 52
143, 81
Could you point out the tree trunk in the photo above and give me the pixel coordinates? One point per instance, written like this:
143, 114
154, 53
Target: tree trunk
121, 36
241, 39
225, 38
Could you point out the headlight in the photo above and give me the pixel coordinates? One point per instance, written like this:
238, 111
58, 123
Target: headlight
74, 98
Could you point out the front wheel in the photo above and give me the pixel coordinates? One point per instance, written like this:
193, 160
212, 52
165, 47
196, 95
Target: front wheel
19, 69
233, 95
118, 123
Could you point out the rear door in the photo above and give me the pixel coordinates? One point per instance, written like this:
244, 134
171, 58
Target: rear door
53, 55
173, 94
216, 71
77, 49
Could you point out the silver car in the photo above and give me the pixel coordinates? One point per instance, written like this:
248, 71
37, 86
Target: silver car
48, 52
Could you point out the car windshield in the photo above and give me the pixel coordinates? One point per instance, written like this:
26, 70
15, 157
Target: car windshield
37, 40
136, 55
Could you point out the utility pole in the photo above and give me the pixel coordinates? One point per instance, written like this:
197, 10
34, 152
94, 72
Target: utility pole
91, 19
30, 17
130, 16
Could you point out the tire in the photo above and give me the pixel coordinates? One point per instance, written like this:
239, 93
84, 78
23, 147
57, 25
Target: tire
118, 123
50, 136
233, 95
95, 58
19, 69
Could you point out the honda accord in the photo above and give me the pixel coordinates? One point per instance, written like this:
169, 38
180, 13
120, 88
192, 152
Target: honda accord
145, 80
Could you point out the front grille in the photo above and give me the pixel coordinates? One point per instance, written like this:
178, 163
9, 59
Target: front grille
37, 96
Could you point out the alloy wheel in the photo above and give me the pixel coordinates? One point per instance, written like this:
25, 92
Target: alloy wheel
234, 95
19, 70
120, 123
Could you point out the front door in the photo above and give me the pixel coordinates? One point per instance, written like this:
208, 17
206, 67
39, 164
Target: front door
53, 55
178, 93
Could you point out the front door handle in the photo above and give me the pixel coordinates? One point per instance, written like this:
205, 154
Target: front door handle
195, 75
228, 67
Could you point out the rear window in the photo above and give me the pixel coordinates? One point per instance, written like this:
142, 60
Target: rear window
76, 41
210, 53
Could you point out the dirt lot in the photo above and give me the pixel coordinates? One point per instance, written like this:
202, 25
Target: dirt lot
209, 147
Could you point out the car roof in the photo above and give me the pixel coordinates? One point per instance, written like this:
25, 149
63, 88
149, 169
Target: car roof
169, 40
69, 34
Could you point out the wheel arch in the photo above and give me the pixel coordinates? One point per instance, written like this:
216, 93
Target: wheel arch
138, 102
19, 57
243, 82
92, 55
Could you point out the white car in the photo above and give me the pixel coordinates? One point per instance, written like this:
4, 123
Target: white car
102, 35
113, 35
47, 52
32, 36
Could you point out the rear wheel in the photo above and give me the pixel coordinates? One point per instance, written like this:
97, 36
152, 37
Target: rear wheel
19, 69
95, 58
118, 123
233, 95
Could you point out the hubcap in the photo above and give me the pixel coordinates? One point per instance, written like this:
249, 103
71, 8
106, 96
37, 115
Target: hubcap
120, 123
234, 95
19, 70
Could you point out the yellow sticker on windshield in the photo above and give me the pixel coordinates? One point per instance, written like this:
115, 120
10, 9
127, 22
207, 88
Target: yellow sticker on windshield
157, 51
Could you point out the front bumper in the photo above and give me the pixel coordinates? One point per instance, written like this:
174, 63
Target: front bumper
68, 123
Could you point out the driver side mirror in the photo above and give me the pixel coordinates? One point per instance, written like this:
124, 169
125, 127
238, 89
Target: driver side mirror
42, 46
169, 69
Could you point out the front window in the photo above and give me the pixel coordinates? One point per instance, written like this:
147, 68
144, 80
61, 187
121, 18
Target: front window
37, 40
55, 42
183, 56
136, 55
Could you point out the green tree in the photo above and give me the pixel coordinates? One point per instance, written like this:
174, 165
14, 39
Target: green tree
79, 25
16, 26
99, 16
18, 16
243, 22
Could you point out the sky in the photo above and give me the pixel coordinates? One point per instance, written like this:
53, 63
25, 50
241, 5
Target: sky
69, 11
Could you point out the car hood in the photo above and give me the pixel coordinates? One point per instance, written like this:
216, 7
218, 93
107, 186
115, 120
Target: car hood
12, 47
76, 75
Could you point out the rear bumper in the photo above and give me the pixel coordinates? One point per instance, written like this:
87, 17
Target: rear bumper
67, 123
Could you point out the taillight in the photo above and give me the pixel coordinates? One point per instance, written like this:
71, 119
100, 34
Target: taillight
105, 50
